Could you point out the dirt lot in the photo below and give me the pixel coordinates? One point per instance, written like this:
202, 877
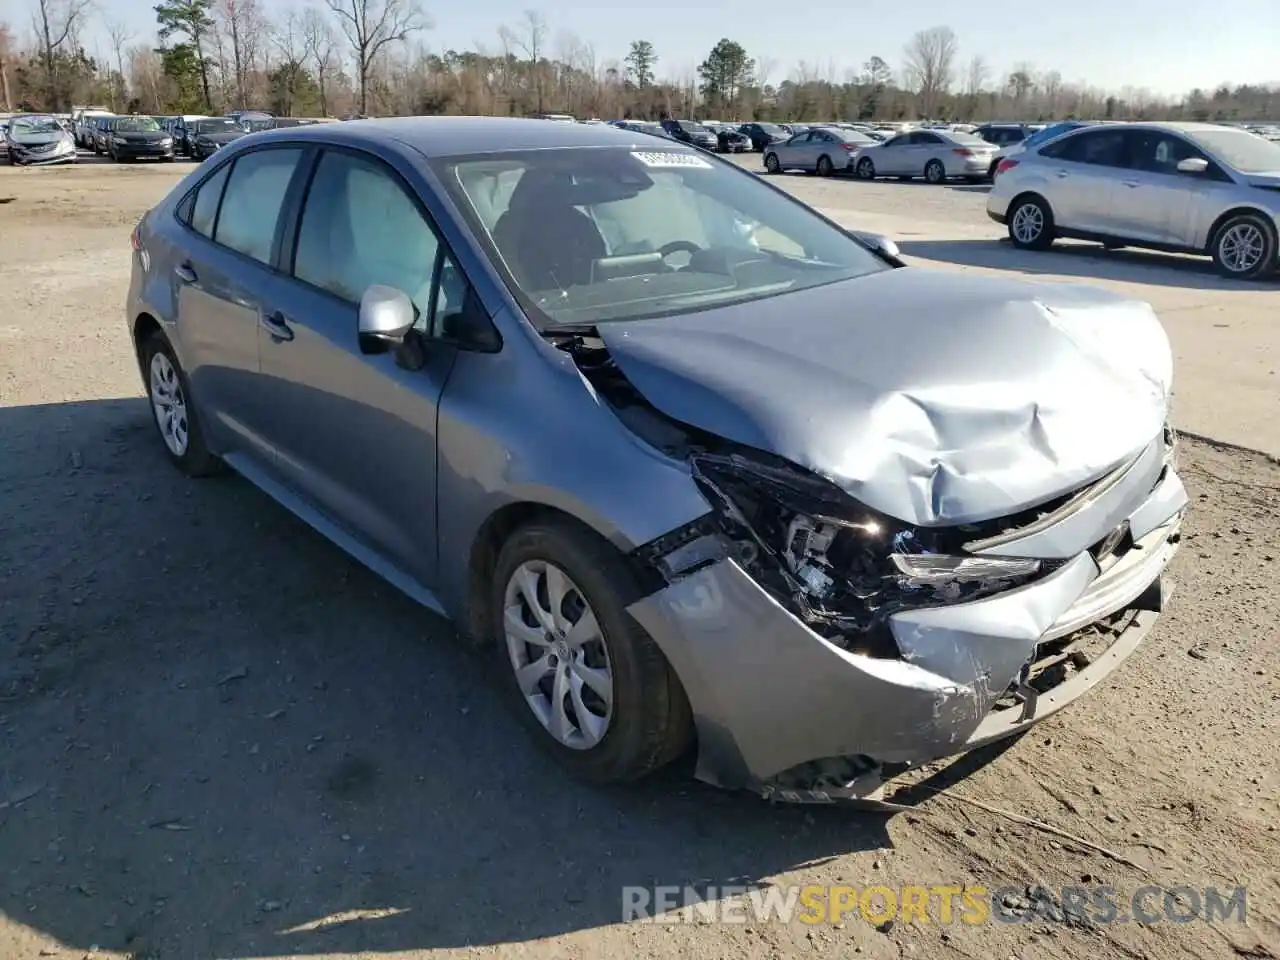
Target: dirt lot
220, 737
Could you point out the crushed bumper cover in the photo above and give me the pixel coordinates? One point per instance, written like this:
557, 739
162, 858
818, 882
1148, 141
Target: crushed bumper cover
769, 695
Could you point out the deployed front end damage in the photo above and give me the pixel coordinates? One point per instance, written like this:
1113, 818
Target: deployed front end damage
824, 644
820, 650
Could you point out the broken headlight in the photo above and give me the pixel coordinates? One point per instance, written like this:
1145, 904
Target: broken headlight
837, 564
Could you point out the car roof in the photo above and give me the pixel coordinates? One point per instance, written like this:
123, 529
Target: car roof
455, 136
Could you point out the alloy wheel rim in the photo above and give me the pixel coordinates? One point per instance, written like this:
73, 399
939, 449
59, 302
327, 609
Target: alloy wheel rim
169, 405
1242, 247
557, 652
1028, 222
933, 173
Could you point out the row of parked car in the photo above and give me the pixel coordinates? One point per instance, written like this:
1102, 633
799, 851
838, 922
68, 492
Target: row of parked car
133, 137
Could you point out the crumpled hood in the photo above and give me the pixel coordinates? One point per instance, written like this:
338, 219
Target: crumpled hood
37, 139
937, 398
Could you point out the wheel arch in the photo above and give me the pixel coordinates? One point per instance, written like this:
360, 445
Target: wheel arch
144, 327
1241, 210
476, 617
1027, 195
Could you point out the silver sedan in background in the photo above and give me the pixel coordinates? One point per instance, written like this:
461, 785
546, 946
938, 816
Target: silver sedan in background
1196, 188
936, 155
821, 150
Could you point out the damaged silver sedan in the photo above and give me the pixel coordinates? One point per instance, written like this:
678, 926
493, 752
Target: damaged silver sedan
705, 469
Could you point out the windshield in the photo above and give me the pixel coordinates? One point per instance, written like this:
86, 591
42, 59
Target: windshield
20, 125
137, 125
853, 136
219, 125
1246, 152
588, 236
772, 129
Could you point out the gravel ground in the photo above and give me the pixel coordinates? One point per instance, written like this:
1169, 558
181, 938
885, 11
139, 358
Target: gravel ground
221, 737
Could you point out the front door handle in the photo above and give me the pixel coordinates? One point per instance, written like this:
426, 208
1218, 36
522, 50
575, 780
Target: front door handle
276, 326
1061, 174
185, 272
1130, 183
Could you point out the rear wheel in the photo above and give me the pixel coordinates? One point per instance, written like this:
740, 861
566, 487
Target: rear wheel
1030, 223
1244, 247
172, 411
825, 167
771, 163
590, 684
935, 172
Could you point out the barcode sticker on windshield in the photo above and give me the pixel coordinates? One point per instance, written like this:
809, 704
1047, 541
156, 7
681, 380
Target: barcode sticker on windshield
685, 160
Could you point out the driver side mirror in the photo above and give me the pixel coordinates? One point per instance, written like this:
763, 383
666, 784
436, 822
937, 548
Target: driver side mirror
385, 318
880, 244
1194, 166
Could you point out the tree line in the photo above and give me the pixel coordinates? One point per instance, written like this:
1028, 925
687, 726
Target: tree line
343, 57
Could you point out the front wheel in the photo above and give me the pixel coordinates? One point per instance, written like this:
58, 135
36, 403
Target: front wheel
1030, 224
174, 416
771, 163
1244, 247
935, 172
866, 169
590, 684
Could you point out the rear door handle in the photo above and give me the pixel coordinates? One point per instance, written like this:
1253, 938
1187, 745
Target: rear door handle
276, 326
185, 272
1131, 183
1061, 174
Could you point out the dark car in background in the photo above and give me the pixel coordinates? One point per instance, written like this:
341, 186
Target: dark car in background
729, 139
139, 138
694, 134
762, 134
99, 133
205, 137
643, 126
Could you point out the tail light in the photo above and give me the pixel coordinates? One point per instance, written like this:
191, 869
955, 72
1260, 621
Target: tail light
1005, 165
848, 147
135, 239
962, 152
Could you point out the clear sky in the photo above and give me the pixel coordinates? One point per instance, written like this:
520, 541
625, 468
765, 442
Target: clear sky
1167, 47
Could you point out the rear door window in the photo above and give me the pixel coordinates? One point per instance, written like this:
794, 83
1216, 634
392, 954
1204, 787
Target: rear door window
252, 201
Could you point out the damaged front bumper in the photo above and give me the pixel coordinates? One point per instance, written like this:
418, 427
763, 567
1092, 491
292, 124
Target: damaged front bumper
781, 710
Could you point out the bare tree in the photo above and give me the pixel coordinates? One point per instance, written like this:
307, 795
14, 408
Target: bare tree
56, 21
119, 35
1051, 87
369, 26
530, 38
6, 57
243, 24
976, 76
930, 64
287, 35
318, 45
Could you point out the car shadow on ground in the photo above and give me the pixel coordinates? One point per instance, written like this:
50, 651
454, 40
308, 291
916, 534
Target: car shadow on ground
223, 737
1077, 260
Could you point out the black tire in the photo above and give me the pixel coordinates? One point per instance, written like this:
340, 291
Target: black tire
991, 170
1037, 240
196, 460
771, 163
935, 172
651, 724
824, 167
1256, 223
865, 169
